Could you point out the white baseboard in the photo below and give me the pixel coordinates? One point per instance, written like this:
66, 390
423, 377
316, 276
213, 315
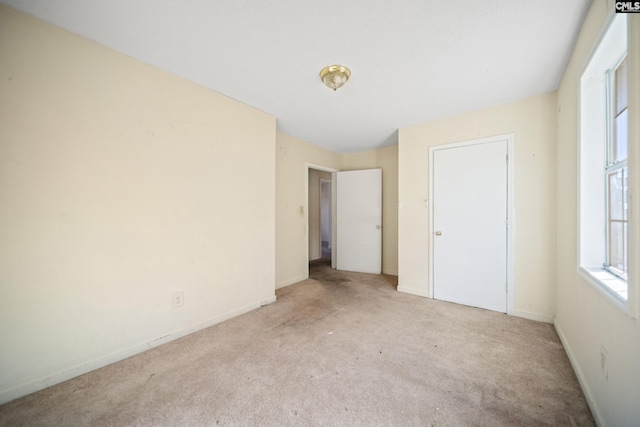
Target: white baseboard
290, 282
532, 316
414, 291
42, 383
268, 301
581, 378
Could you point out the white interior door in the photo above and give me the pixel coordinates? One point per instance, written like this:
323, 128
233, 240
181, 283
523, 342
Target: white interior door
470, 224
359, 221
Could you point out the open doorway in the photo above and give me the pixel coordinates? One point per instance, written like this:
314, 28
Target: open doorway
319, 212
357, 215
325, 218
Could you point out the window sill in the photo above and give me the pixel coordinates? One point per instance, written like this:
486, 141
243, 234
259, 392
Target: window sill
611, 286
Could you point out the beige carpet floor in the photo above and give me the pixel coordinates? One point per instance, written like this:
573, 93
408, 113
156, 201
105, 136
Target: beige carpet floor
338, 349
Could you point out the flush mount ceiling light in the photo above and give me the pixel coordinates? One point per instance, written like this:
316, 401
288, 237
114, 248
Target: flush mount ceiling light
335, 76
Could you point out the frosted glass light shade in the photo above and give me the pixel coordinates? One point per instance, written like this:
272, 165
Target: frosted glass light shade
335, 76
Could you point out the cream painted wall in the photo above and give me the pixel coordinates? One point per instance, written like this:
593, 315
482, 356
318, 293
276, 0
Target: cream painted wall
315, 236
586, 320
533, 122
120, 185
292, 158
387, 159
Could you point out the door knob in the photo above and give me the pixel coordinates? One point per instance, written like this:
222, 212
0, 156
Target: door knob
438, 233
377, 227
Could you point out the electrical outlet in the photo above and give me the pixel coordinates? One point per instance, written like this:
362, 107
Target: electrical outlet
604, 362
177, 299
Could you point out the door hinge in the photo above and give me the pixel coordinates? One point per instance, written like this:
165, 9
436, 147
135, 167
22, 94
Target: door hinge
506, 160
506, 223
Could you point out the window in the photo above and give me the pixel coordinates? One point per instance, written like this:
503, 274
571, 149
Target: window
616, 173
604, 184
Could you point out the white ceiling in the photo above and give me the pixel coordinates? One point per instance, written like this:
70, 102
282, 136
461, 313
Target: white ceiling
411, 60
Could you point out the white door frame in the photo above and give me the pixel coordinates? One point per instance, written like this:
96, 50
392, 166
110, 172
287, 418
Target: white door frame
510, 138
333, 212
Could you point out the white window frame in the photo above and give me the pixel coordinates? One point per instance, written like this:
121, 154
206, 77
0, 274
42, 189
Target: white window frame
593, 156
611, 165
